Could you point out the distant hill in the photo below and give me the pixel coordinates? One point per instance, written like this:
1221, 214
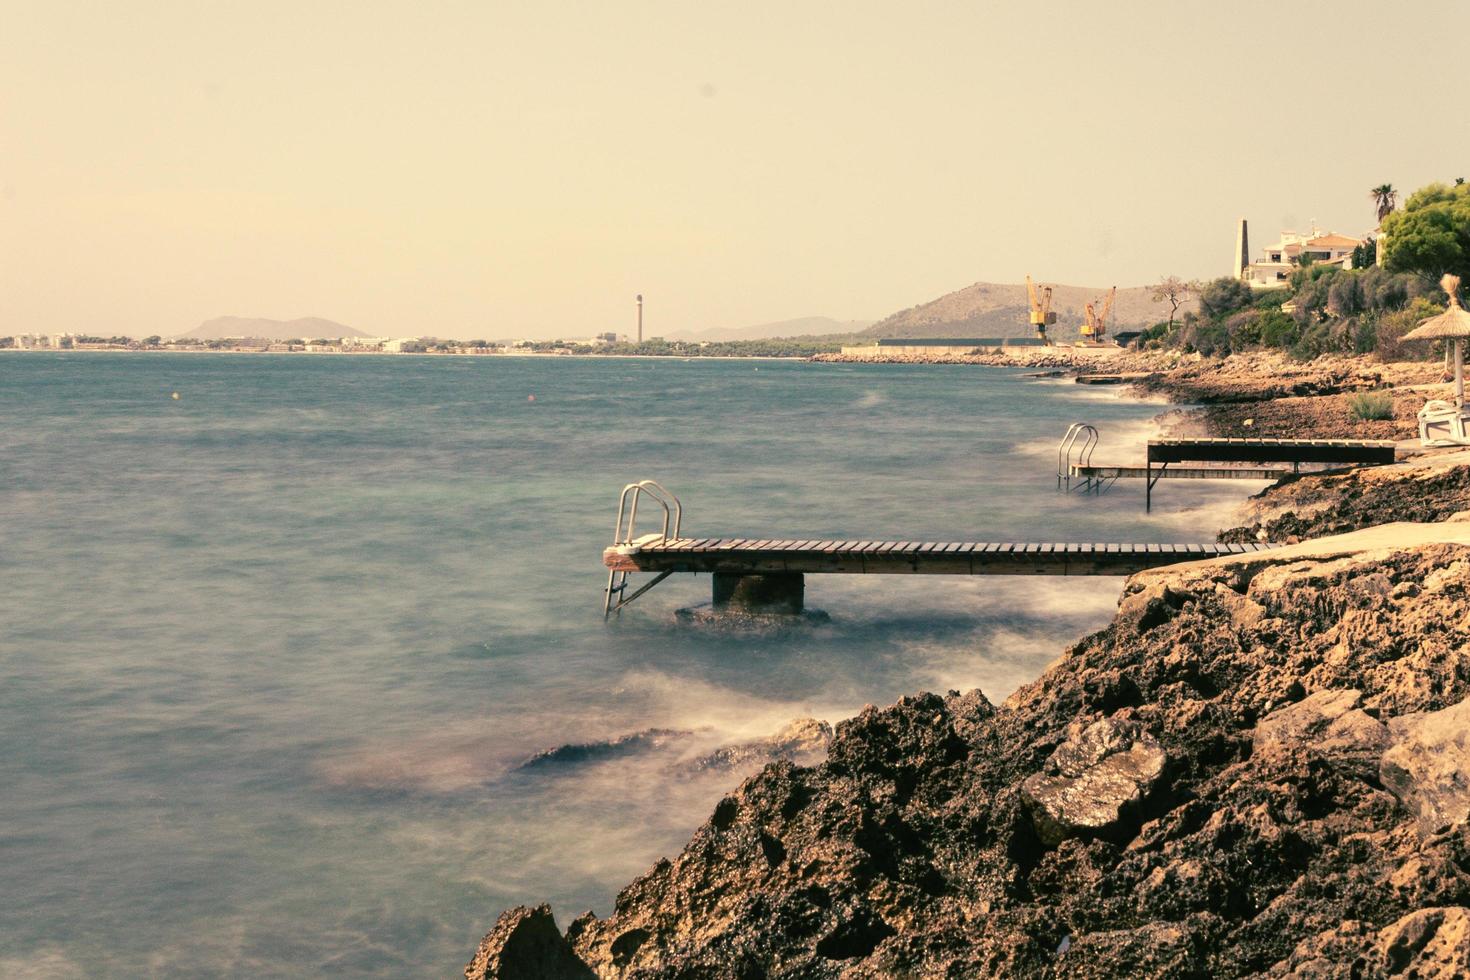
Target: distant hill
305, 328
805, 326
988, 309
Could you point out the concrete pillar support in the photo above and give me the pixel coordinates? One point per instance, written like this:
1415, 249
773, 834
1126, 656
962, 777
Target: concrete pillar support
772, 592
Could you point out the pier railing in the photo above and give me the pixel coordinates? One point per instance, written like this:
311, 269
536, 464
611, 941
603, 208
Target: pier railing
1075, 450
625, 533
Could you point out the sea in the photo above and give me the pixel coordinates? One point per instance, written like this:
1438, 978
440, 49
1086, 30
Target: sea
279, 634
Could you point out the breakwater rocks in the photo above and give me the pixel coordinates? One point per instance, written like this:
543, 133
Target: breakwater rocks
1257, 768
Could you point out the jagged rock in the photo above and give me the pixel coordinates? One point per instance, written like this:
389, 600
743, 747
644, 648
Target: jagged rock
1246, 721
803, 741
1430, 488
1094, 781
1327, 722
1428, 765
1428, 944
525, 945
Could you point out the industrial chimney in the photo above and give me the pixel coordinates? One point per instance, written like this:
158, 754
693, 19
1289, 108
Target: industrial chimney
1242, 250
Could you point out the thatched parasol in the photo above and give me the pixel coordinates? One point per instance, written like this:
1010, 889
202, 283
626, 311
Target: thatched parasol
1452, 324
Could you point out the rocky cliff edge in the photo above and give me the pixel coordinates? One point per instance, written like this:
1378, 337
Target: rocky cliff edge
1262, 766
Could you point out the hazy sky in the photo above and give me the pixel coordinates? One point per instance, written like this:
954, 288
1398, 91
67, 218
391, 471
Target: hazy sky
496, 170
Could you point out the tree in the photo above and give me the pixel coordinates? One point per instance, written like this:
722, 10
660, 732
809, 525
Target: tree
1431, 235
1175, 292
1386, 198
1365, 255
1223, 296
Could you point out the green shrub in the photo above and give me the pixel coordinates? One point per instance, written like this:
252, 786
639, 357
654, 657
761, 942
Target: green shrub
1208, 337
1371, 405
1270, 299
1365, 336
1276, 329
1223, 296
1391, 327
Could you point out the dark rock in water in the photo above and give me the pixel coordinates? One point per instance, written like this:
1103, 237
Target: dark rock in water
804, 742
582, 752
1094, 781
1428, 765
744, 621
1208, 771
525, 945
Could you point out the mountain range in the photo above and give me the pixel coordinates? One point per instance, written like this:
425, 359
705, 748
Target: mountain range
303, 328
988, 309
805, 326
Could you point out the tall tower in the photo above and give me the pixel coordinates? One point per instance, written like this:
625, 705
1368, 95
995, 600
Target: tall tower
1242, 250
640, 318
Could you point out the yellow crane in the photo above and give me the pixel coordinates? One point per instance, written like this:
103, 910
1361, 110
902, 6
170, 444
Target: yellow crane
1041, 314
1095, 324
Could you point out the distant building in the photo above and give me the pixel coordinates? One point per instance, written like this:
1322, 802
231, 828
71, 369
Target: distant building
1278, 260
41, 341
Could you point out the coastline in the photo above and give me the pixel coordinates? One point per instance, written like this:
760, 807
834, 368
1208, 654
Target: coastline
382, 353
1214, 784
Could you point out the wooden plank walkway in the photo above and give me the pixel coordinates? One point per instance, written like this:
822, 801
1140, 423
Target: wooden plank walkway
1368, 452
1205, 472
754, 556
1371, 451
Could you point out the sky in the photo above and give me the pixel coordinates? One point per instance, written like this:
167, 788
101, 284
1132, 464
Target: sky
496, 170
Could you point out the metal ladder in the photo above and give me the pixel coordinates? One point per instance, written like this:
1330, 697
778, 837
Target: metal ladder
1076, 450
625, 533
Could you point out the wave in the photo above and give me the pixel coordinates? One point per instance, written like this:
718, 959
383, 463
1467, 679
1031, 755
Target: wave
804, 741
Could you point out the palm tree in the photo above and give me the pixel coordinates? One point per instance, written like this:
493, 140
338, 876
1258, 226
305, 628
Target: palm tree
1386, 198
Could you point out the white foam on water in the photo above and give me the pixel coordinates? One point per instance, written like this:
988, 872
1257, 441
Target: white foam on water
724, 713
47, 963
1121, 442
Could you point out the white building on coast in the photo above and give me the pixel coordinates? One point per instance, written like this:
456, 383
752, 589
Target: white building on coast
1277, 262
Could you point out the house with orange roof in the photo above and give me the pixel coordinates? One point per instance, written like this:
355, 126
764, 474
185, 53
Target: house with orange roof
1277, 261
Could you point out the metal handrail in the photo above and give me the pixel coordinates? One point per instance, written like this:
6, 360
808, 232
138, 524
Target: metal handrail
673, 511
1088, 434
615, 595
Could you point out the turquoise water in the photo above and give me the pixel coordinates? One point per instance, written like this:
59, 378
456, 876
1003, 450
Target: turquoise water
271, 652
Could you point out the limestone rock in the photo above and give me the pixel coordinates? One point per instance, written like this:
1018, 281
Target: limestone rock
1328, 722
1428, 765
525, 945
1430, 944
1094, 780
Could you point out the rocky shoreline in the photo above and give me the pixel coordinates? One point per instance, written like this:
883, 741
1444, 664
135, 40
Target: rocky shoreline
1258, 768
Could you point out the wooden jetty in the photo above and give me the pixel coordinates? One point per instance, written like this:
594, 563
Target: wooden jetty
768, 571
1210, 459
1353, 452
755, 556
